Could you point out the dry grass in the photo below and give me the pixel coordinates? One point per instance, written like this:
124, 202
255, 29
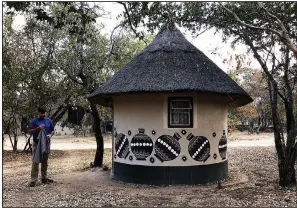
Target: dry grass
19, 163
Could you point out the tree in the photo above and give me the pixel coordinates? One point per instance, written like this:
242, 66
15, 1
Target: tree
28, 78
268, 29
255, 36
81, 57
89, 60
256, 114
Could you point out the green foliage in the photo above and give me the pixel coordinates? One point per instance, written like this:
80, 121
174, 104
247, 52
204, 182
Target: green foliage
44, 12
40, 62
202, 15
255, 85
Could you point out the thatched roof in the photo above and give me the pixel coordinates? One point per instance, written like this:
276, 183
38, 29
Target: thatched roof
170, 64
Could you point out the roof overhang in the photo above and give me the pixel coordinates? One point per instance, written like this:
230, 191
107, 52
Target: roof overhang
234, 100
104, 100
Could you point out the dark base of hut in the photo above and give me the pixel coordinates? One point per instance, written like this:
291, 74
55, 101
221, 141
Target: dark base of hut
158, 175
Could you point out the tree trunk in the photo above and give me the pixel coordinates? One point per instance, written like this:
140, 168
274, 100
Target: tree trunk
285, 152
291, 157
279, 144
61, 110
12, 142
98, 161
15, 146
289, 102
57, 117
291, 128
14, 132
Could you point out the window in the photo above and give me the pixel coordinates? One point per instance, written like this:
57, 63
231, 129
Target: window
180, 112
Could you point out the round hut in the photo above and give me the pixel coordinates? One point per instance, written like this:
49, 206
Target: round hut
170, 106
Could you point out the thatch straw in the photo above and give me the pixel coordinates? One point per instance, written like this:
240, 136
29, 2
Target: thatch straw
171, 64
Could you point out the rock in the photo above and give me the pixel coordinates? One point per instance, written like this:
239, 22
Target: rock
259, 184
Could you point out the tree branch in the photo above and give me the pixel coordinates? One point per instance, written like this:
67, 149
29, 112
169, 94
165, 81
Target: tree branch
248, 25
277, 19
60, 107
129, 18
282, 96
294, 79
208, 28
284, 38
111, 38
83, 79
263, 65
269, 52
141, 37
70, 76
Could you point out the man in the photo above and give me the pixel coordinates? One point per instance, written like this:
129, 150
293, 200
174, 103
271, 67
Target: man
37, 124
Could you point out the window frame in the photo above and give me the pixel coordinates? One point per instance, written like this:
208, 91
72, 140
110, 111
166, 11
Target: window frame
170, 99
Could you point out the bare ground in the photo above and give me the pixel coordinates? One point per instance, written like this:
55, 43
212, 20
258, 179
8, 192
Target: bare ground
252, 171
64, 142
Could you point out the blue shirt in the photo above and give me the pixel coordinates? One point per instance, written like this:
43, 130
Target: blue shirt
48, 125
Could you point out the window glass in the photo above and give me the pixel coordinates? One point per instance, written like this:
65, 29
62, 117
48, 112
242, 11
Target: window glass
180, 112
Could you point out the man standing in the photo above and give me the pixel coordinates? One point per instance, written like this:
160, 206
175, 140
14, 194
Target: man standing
37, 124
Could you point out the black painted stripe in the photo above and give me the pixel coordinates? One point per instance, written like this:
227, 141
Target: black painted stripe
157, 156
165, 175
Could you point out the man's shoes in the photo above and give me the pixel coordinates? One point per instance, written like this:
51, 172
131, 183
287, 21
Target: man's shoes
32, 184
47, 180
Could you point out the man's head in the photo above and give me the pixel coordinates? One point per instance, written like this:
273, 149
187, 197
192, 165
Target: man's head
41, 112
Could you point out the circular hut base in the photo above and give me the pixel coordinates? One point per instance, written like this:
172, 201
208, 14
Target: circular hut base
160, 175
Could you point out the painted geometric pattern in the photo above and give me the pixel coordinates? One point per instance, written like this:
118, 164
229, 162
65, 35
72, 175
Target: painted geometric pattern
122, 146
167, 147
141, 146
223, 147
199, 147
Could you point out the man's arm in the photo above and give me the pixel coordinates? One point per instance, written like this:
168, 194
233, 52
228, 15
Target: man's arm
33, 129
52, 129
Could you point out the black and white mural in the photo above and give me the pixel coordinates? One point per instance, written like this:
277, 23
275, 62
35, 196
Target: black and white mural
199, 147
223, 146
167, 147
122, 146
141, 145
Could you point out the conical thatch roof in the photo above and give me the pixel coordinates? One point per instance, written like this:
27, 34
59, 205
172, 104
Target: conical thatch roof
171, 64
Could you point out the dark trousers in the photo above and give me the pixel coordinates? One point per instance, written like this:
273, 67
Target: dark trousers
35, 166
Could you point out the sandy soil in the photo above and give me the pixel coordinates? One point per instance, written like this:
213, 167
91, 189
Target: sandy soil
252, 172
243, 139
65, 142
69, 142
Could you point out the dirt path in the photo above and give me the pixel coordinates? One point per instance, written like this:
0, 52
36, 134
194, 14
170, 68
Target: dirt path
64, 143
77, 186
252, 143
252, 179
243, 139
